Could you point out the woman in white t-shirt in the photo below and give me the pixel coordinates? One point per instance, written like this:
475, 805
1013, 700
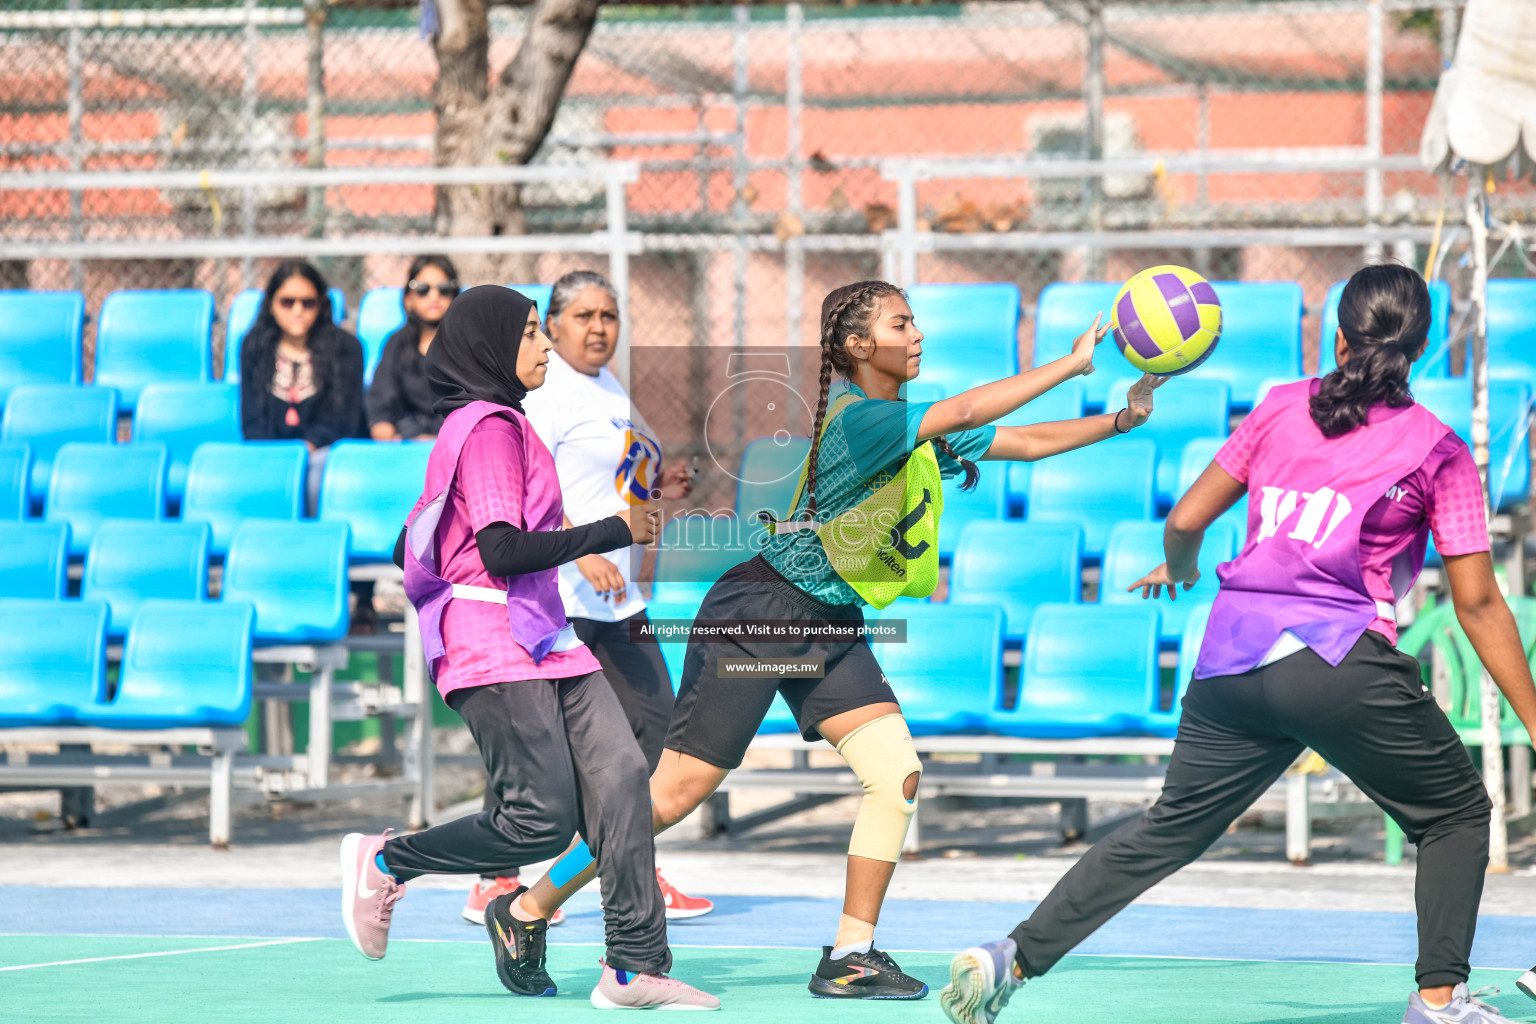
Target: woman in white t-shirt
608, 459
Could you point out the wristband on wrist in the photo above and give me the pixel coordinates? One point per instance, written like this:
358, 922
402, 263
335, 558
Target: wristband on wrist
1127, 430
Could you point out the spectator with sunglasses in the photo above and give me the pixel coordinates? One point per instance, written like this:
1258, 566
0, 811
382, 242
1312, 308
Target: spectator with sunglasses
301, 376
400, 399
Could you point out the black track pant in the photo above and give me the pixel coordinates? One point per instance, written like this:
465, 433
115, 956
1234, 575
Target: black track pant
639, 678
560, 758
1370, 718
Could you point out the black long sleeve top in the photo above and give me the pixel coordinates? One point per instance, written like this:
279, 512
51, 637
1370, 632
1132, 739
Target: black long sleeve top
335, 410
508, 551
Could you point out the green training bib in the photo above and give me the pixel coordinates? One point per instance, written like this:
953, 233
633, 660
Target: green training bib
887, 545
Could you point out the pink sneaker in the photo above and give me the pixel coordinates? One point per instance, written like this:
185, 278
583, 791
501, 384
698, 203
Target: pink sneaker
368, 895
484, 892
621, 990
681, 906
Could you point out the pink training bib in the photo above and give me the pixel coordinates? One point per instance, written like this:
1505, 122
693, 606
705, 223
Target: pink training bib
1307, 497
535, 612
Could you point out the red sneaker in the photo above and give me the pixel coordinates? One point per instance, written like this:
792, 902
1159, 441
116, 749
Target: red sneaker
484, 892
679, 905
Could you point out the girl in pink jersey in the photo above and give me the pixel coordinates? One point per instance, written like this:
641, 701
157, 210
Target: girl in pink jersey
480, 552
1346, 478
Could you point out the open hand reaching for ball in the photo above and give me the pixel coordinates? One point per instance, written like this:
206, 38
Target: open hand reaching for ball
1082, 348
1138, 400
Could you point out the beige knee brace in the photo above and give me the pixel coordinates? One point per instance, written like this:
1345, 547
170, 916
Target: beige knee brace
882, 756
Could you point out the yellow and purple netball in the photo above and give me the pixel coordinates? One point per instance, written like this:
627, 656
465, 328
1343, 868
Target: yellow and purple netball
1166, 320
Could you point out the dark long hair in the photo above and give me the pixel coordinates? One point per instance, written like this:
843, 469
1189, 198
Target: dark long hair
852, 311
327, 342
1384, 314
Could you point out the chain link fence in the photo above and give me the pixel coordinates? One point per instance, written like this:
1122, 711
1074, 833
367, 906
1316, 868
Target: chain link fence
764, 135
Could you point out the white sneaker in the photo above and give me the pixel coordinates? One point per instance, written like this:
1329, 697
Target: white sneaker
981, 982
621, 990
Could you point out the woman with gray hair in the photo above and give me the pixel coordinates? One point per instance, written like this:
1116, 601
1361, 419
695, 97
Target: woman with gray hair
608, 459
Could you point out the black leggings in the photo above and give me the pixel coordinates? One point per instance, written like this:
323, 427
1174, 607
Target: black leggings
1372, 719
639, 679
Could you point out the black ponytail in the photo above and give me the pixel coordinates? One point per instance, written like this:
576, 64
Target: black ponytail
1385, 315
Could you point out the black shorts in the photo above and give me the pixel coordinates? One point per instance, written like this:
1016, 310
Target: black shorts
715, 719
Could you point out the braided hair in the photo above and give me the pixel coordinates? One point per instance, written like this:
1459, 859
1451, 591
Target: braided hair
848, 311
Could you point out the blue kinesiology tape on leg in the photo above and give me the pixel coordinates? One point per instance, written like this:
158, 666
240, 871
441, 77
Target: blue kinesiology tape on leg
575, 861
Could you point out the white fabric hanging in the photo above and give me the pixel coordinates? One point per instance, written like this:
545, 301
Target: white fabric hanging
1485, 106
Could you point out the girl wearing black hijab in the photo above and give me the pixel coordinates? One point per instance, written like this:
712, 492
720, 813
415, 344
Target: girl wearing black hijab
480, 552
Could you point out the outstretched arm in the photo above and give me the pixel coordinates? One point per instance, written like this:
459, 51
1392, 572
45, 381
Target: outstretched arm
1212, 494
981, 405
1037, 441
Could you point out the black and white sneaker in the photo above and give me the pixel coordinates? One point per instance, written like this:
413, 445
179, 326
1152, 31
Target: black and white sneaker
519, 947
871, 975
1527, 983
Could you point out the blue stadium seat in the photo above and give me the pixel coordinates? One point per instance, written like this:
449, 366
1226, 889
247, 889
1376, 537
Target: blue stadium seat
46, 416
768, 476
228, 482
379, 315
971, 332
1167, 723
372, 487
1512, 329
1439, 328
1018, 566
1089, 670
34, 558
1065, 401
186, 663
93, 482
52, 660
131, 560
185, 415
153, 335
243, 310
948, 675
1065, 310
1199, 454
295, 574
694, 551
539, 293
1185, 409
39, 338
1509, 445
1135, 549
1095, 487
987, 502
1260, 336
15, 475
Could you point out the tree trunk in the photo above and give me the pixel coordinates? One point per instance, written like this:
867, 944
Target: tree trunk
481, 125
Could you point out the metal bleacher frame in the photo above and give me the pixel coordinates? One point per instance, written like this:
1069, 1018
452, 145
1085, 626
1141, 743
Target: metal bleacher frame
1306, 796
222, 763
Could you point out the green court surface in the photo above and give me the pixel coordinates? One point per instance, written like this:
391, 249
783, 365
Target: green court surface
324, 980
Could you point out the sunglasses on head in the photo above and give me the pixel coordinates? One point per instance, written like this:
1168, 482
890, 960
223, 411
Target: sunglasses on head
421, 289
288, 302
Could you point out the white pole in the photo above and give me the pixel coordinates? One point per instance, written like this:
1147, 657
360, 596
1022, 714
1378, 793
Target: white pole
1493, 750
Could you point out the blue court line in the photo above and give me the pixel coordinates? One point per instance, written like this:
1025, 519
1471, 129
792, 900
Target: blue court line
757, 921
